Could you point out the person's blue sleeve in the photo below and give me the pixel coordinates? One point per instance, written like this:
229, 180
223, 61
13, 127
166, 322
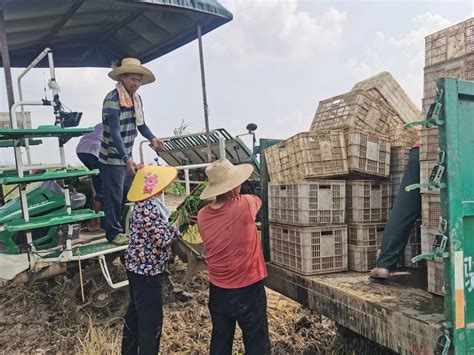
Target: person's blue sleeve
145, 132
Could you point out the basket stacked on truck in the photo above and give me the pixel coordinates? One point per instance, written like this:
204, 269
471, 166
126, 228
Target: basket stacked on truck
402, 140
368, 206
448, 53
307, 229
349, 140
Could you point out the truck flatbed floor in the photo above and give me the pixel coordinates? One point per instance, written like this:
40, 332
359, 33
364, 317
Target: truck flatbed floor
398, 314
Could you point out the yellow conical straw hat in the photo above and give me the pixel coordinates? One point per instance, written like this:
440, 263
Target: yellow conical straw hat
149, 181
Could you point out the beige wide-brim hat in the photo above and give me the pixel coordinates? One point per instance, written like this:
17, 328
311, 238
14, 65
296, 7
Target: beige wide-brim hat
132, 66
223, 176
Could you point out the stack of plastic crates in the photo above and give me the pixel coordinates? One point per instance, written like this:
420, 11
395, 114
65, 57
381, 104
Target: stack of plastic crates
328, 154
448, 53
307, 230
398, 163
368, 204
350, 139
430, 216
430, 207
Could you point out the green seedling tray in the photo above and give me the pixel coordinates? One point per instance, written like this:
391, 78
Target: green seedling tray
52, 219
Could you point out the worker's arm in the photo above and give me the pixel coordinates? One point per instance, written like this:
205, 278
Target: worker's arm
254, 204
145, 132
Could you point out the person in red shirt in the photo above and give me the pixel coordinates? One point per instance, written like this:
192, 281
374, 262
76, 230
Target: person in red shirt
235, 261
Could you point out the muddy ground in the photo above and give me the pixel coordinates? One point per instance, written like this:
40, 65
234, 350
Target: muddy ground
50, 317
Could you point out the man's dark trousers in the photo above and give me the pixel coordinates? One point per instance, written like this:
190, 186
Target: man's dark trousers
406, 210
248, 307
91, 162
144, 318
116, 181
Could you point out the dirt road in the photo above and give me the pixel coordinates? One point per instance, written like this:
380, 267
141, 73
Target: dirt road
41, 318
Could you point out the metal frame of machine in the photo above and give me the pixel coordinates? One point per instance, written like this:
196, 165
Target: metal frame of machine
207, 19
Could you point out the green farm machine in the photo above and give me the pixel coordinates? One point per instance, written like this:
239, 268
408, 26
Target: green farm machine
41, 231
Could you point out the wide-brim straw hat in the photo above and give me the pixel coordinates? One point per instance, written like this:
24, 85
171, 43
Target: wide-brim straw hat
223, 176
132, 66
149, 181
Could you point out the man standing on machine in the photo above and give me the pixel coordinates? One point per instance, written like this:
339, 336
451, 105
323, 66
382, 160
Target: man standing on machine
122, 116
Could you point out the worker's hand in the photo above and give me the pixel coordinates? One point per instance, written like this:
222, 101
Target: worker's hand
192, 219
131, 166
157, 144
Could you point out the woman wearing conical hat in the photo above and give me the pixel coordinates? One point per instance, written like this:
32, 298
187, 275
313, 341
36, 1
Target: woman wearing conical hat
146, 258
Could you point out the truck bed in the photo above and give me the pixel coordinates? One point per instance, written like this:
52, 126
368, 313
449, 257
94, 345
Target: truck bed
398, 314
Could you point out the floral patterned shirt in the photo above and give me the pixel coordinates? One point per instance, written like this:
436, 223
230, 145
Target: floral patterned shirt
150, 239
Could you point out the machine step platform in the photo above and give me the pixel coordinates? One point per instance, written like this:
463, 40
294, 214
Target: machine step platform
9, 143
11, 179
42, 131
85, 250
52, 219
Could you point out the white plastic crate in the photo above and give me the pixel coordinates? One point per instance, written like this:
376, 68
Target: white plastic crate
436, 277
426, 167
425, 106
368, 200
389, 88
359, 109
429, 143
450, 43
307, 203
362, 259
402, 137
366, 234
461, 68
398, 159
368, 153
308, 155
431, 211
413, 248
309, 250
427, 240
395, 181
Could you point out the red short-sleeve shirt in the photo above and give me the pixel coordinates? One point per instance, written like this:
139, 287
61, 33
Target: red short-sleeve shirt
233, 250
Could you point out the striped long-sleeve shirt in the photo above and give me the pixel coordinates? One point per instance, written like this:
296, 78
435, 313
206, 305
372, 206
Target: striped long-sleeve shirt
111, 152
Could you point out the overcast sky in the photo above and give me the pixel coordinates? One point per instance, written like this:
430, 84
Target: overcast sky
271, 65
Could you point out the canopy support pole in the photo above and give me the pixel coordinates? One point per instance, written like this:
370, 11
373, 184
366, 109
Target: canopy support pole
204, 95
8, 79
